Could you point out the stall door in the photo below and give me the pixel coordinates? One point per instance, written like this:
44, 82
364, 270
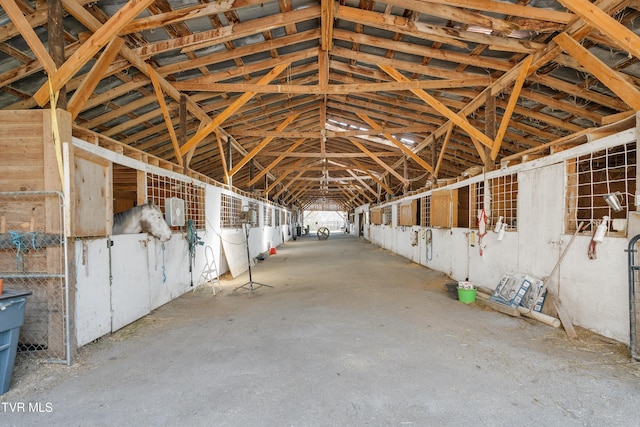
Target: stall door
93, 295
130, 299
540, 216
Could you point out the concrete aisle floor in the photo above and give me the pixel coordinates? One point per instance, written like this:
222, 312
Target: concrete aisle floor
349, 335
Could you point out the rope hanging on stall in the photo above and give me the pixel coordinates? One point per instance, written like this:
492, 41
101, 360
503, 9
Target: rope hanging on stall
164, 270
591, 251
193, 239
482, 228
18, 240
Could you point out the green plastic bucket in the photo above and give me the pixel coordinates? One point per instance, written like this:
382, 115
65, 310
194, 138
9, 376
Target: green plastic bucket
466, 296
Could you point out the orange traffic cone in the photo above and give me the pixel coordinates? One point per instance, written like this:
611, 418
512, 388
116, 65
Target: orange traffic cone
272, 251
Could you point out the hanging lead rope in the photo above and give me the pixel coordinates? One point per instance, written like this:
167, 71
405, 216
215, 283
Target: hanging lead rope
18, 239
164, 272
193, 240
591, 251
482, 228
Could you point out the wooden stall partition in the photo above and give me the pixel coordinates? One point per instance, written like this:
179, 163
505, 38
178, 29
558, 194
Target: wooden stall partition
32, 215
376, 216
444, 208
92, 211
408, 212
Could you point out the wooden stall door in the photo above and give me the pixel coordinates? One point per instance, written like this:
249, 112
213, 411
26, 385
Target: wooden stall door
93, 213
540, 213
130, 298
444, 208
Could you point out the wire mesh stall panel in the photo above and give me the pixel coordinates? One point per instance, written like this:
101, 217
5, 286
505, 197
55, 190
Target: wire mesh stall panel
33, 258
160, 188
592, 177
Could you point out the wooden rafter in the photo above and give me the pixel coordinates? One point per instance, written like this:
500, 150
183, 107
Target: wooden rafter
273, 164
324, 88
165, 113
278, 180
91, 80
489, 104
261, 145
513, 99
205, 39
220, 118
591, 13
442, 109
615, 81
288, 184
328, 132
326, 24
225, 170
397, 143
21, 23
97, 41
361, 181
376, 159
375, 178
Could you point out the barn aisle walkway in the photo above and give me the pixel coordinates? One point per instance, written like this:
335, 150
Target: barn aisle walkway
350, 335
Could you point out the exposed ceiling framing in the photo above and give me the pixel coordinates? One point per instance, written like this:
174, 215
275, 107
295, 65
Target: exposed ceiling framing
345, 102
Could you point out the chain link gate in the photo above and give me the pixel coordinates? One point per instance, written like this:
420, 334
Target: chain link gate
33, 257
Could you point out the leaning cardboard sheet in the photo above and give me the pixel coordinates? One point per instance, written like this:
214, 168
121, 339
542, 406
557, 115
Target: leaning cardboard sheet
517, 289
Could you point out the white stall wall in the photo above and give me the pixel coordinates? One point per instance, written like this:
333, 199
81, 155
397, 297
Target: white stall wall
594, 292
93, 293
144, 276
119, 284
540, 218
169, 275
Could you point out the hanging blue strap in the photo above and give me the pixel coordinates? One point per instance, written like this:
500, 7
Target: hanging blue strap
164, 273
17, 239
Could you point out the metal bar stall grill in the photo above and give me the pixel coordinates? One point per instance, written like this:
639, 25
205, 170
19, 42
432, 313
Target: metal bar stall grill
33, 257
634, 268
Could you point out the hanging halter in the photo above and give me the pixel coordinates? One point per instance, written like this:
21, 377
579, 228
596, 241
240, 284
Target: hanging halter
482, 228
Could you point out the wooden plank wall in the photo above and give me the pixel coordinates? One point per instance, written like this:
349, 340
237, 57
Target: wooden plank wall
29, 162
22, 159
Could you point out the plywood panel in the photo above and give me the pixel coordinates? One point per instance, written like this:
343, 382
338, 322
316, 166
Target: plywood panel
408, 213
441, 208
92, 196
29, 161
235, 252
376, 216
22, 160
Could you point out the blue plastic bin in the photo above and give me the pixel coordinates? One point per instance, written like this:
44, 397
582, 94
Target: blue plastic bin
12, 304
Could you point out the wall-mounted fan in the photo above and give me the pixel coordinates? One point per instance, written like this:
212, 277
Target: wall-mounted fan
174, 212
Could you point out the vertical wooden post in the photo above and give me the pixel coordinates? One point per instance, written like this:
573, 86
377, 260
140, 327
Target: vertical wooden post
55, 15
252, 167
182, 130
434, 156
405, 187
229, 159
490, 131
141, 187
490, 126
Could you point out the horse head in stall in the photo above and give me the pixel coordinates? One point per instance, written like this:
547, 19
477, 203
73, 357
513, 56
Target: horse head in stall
144, 218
